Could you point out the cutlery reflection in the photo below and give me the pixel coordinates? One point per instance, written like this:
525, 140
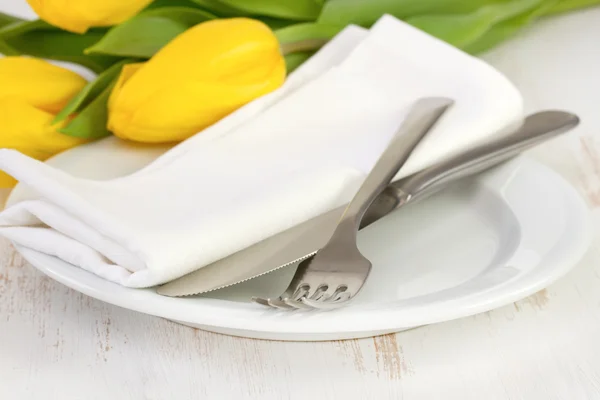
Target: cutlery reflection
302, 241
337, 272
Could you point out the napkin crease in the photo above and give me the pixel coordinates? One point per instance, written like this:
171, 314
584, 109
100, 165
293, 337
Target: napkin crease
286, 157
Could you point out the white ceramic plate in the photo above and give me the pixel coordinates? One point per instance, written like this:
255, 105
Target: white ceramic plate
479, 245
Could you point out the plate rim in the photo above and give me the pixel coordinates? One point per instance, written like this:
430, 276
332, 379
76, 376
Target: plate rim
182, 310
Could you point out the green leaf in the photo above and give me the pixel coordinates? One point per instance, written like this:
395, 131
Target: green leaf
142, 36
366, 12
186, 15
21, 27
508, 28
39, 39
90, 91
463, 29
6, 19
294, 60
300, 41
220, 9
570, 5
464, 23
276, 23
91, 122
7, 50
305, 36
307, 30
299, 10
170, 3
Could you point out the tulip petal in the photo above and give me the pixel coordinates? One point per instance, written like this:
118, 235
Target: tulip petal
23, 126
176, 113
126, 73
242, 44
199, 77
38, 82
78, 16
7, 181
59, 14
109, 12
28, 130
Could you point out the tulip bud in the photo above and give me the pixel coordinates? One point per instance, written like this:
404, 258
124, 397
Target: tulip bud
80, 15
41, 84
31, 92
198, 78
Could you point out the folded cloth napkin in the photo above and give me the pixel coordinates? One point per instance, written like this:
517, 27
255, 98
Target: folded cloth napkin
278, 161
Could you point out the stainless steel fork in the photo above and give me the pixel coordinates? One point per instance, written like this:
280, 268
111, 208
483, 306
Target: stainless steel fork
535, 129
338, 271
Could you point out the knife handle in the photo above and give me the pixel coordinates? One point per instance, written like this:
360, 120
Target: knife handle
535, 129
420, 119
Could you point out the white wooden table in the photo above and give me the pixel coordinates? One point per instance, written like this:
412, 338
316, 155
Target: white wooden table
58, 344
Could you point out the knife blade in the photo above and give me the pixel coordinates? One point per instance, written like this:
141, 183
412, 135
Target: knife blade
302, 241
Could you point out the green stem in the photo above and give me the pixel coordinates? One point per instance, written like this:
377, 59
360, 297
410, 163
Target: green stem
302, 45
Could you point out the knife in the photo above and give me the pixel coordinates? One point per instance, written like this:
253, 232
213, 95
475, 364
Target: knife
302, 241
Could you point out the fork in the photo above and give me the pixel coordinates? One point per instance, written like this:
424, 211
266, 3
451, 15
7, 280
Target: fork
337, 272
536, 128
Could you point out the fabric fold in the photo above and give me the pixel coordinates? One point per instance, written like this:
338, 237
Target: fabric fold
284, 158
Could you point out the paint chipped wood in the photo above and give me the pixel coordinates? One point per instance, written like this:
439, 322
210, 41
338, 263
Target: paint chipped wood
539, 301
351, 349
590, 169
389, 356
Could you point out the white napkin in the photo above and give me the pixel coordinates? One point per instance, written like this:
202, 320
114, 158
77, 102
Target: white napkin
282, 159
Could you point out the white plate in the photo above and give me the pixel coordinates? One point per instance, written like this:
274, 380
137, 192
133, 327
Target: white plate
475, 247
479, 245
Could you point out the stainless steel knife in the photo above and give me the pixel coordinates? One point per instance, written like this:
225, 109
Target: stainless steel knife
303, 240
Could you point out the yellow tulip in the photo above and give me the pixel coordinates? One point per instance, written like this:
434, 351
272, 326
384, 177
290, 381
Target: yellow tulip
198, 78
80, 15
32, 91
38, 82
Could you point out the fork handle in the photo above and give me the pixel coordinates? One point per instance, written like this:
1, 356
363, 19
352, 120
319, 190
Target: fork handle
419, 120
535, 129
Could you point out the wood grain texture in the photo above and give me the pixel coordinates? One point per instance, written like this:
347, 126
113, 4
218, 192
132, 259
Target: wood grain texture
56, 343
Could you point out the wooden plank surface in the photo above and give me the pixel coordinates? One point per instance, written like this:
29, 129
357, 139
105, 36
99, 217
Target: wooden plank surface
56, 343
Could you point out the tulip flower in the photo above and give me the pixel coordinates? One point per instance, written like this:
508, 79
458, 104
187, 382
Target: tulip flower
198, 78
32, 91
80, 15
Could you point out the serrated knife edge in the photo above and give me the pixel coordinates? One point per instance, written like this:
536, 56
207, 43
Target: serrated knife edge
303, 240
